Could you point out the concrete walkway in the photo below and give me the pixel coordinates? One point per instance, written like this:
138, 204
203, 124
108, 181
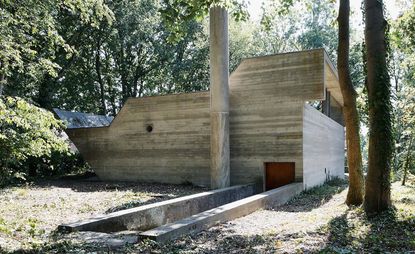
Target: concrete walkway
157, 214
223, 213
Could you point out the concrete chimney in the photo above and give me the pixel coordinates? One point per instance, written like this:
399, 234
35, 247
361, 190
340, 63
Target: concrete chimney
219, 98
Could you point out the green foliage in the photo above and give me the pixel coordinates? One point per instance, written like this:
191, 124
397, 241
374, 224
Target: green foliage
405, 30
275, 9
177, 13
30, 35
30, 144
127, 54
300, 25
404, 129
319, 28
402, 68
127, 57
243, 42
278, 33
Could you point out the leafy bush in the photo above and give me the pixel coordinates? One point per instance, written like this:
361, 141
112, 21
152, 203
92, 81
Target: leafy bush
30, 142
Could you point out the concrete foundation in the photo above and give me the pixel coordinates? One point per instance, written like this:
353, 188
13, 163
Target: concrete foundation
157, 214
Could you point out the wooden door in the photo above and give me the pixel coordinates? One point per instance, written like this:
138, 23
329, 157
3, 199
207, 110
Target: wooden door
278, 174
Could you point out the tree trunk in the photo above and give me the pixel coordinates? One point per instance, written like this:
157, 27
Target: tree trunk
141, 90
45, 93
100, 80
111, 90
137, 76
2, 83
125, 90
351, 117
112, 97
2, 80
407, 162
377, 196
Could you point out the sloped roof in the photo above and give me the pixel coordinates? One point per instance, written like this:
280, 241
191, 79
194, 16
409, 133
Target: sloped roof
76, 120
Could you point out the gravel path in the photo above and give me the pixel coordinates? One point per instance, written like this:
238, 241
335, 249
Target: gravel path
288, 221
311, 223
290, 228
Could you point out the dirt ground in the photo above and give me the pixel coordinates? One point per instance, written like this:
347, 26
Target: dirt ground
317, 221
30, 213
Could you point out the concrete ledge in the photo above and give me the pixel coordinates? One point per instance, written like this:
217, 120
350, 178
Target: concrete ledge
223, 213
157, 214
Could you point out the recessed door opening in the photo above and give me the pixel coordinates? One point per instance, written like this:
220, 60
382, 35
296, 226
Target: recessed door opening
278, 174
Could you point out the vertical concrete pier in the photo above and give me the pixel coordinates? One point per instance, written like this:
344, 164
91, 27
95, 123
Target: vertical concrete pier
219, 98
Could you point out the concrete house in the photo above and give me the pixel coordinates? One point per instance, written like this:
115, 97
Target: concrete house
275, 136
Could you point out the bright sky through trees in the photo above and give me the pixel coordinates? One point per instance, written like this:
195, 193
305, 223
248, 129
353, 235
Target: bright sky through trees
255, 9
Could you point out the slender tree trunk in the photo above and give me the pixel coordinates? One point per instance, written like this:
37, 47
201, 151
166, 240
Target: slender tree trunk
112, 95
111, 91
45, 93
351, 117
377, 196
100, 80
2, 80
407, 162
2, 83
141, 90
137, 75
125, 91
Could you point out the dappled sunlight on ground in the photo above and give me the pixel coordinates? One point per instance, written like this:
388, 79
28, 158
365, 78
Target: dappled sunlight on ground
28, 214
296, 217
317, 221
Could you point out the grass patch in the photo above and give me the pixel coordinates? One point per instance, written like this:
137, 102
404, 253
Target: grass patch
30, 213
391, 231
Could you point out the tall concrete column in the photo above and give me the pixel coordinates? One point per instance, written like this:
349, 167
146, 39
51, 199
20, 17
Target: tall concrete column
219, 98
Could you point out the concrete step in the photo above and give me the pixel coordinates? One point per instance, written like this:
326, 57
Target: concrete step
157, 214
223, 213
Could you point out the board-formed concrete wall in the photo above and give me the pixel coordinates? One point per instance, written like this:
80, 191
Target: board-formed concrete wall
266, 110
177, 149
323, 148
267, 96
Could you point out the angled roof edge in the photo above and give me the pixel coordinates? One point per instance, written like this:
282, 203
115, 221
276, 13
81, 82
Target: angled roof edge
331, 79
152, 96
280, 54
285, 53
330, 63
78, 120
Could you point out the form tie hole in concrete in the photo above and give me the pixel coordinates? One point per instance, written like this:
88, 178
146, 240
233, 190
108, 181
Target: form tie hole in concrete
149, 128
